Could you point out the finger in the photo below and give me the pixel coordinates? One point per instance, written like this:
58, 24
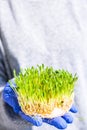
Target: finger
6, 94
58, 122
74, 109
68, 118
8, 90
35, 120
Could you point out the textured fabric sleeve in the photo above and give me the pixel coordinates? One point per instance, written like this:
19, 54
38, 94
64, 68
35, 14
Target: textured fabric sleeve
3, 75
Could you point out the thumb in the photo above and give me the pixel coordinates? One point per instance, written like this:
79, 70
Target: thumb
35, 120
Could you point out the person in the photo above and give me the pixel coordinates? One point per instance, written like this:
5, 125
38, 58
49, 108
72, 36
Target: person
34, 32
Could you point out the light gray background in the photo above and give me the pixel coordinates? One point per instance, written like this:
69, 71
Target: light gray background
53, 32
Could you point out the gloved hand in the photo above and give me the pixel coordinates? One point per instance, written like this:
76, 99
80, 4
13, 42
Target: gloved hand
62, 121
10, 98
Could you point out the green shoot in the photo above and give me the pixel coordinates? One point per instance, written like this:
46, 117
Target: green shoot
42, 83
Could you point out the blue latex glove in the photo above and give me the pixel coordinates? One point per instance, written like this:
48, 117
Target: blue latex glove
62, 121
10, 98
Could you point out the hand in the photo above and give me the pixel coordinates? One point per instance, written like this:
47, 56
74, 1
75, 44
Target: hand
10, 98
62, 121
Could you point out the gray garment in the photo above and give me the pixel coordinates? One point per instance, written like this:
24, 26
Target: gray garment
9, 120
45, 31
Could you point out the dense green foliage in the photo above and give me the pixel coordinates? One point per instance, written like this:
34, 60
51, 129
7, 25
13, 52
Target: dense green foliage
44, 83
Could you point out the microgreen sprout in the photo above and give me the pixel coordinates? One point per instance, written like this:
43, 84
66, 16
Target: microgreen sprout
42, 84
